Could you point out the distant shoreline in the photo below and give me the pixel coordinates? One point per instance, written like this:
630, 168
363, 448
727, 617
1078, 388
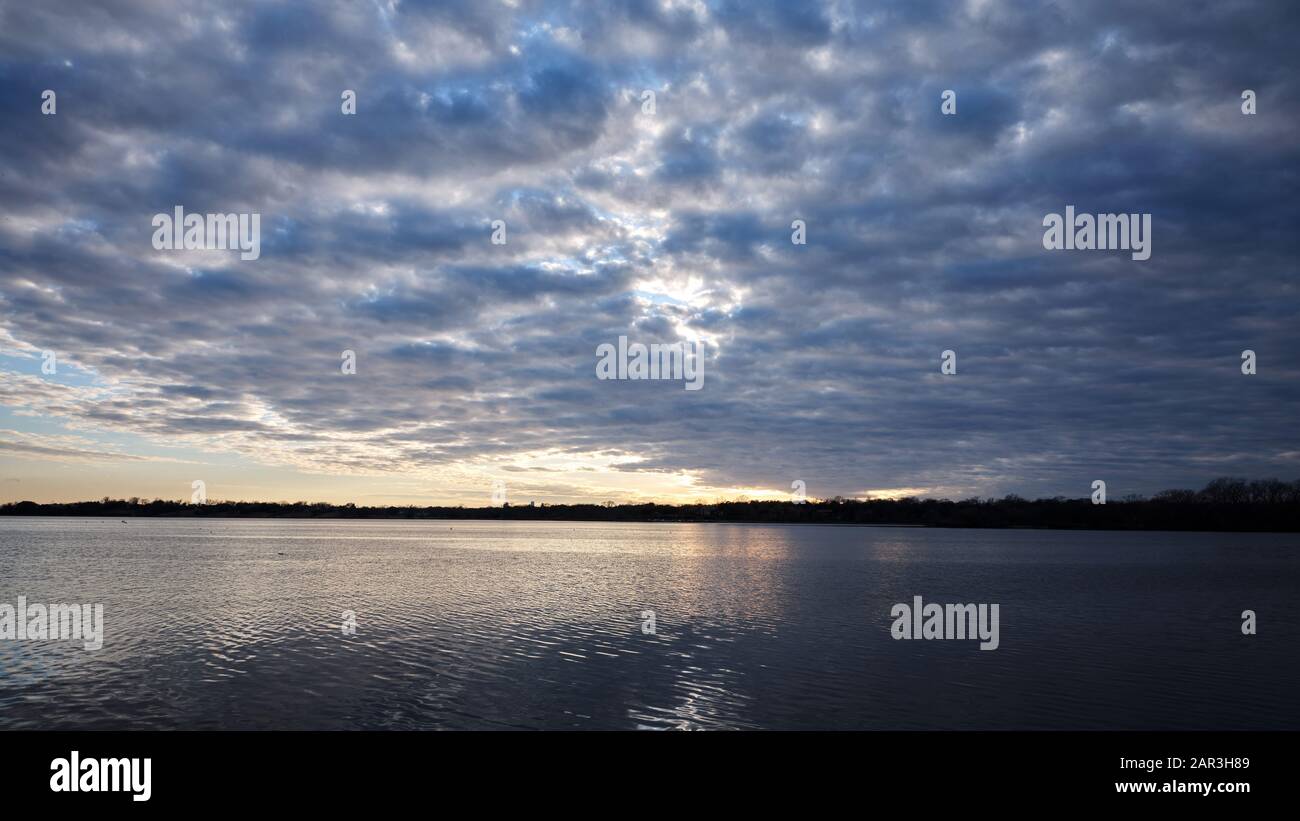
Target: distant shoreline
1223, 506
489, 519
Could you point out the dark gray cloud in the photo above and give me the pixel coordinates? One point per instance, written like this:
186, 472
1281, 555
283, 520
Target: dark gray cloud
924, 234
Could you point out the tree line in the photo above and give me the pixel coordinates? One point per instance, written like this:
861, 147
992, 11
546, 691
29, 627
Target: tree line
1224, 504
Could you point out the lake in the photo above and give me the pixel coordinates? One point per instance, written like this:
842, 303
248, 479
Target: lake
239, 624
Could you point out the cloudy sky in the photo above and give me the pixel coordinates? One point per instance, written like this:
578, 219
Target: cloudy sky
475, 362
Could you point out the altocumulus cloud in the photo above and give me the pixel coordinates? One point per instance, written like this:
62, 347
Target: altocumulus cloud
924, 234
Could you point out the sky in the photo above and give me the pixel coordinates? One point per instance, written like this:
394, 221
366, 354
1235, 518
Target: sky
671, 222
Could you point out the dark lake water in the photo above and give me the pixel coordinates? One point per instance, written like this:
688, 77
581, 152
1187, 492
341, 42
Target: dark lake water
237, 624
